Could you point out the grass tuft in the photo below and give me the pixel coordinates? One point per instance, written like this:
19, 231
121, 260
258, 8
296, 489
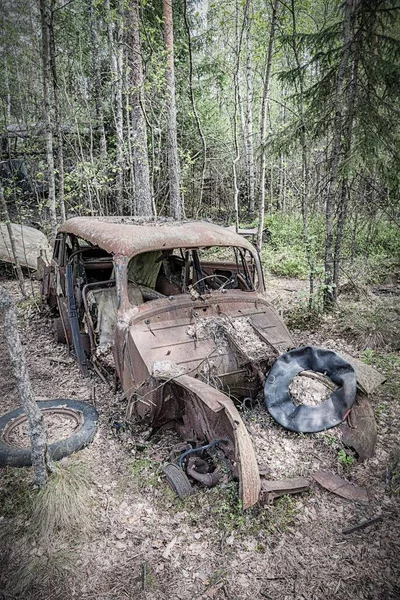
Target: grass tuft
65, 504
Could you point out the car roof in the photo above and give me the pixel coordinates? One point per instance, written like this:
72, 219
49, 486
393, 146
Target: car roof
130, 236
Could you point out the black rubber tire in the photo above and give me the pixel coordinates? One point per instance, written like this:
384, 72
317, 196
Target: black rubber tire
309, 419
178, 480
21, 457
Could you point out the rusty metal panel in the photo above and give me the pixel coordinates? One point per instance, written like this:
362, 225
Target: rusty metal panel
163, 331
130, 236
341, 487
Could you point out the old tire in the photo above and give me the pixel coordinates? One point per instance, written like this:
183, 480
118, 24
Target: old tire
177, 480
84, 414
309, 419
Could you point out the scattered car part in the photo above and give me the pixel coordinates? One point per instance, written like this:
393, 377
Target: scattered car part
83, 414
74, 324
196, 468
361, 525
368, 378
205, 413
309, 419
341, 487
190, 451
359, 429
177, 480
273, 489
58, 331
30, 243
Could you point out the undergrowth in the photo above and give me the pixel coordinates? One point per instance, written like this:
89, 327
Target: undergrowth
38, 526
221, 504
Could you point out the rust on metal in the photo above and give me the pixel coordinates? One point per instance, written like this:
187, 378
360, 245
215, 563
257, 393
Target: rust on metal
274, 489
335, 484
359, 430
182, 325
129, 237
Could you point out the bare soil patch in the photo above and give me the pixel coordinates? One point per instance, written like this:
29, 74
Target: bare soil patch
146, 544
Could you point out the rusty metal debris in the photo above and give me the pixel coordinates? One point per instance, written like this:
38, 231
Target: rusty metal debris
274, 489
359, 429
335, 484
361, 525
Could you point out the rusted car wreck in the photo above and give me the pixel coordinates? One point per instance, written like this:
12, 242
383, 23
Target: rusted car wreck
182, 307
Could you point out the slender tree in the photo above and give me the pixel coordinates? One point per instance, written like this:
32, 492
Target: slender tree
41, 462
45, 17
172, 141
263, 126
143, 200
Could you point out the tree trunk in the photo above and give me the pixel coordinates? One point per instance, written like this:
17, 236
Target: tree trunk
194, 108
57, 115
40, 457
143, 201
335, 159
45, 18
172, 142
96, 78
348, 139
237, 104
304, 193
250, 145
263, 129
115, 32
18, 269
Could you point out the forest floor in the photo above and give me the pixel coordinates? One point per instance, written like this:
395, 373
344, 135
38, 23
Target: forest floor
138, 541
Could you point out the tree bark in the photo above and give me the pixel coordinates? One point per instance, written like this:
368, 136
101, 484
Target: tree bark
250, 144
96, 81
40, 457
194, 108
57, 115
263, 129
143, 201
115, 33
172, 142
304, 193
45, 18
335, 159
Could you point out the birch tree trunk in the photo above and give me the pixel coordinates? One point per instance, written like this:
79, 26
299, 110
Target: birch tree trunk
115, 33
40, 456
250, 144
57, 115
96, 82
172, 142
263, 129
194, 108
143, 201
45, 21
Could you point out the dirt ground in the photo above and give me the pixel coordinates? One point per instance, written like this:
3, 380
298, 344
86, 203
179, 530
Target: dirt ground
146, 544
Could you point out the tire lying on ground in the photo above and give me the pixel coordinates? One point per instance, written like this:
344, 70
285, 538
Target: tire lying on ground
309, 419
83, 415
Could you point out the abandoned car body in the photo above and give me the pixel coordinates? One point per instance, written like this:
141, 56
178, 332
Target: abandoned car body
182, 307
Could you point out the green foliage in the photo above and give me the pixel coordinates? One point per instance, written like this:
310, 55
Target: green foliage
347, 460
